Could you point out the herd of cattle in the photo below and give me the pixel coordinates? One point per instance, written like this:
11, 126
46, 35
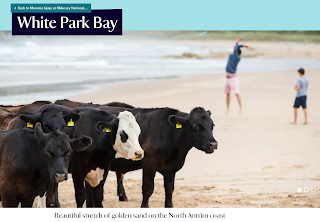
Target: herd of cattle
40, 143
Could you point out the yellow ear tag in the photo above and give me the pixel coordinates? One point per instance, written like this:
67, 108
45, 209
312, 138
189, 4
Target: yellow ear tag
107, 130
29, 125
178, 125
70, 123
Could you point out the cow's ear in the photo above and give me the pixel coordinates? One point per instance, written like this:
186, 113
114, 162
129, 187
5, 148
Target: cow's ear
108, 127
103, 126
209, 112
39, 133
114, 124
177, 121
137, 116
30, 120
81, 144
71, 118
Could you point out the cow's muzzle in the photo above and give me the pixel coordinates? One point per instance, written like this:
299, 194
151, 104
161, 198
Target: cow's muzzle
59, 177
212, 146
138, 155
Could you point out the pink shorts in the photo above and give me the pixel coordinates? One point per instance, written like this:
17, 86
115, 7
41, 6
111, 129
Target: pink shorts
232, 84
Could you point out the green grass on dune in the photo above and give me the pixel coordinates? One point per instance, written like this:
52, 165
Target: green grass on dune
282, 36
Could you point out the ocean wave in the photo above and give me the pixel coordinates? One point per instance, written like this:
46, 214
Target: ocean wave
30, 44
44, 67
31, 97
95, 63
6, 50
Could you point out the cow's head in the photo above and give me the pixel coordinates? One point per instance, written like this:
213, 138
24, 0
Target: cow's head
125, 130
51, 119
199, 125
57, 151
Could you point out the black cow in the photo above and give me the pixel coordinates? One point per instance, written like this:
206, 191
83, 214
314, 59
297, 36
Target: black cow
74, 104
5, 118
119, 104
52, 118
13, 109
166, 137
103, 128
7, 113
69, 103
28, 108
30, 158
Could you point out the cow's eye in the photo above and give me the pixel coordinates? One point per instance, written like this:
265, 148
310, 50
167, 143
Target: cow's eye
50, 153
67, 153
196, 127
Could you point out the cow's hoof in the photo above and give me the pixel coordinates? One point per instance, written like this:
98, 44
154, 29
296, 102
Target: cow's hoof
144, 206
123, 197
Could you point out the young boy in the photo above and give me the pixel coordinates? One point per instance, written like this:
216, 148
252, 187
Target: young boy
301, 98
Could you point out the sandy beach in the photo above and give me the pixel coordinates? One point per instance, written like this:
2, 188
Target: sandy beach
261, 159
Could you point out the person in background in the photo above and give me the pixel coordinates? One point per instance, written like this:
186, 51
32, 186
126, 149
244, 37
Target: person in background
301, 97
231, 81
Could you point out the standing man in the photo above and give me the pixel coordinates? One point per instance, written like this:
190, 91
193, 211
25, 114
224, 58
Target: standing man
301, 98
231, 81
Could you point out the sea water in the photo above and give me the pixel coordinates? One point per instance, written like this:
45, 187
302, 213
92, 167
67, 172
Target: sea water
54, 67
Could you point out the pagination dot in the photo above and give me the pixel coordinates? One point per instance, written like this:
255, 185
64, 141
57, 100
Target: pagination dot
299, 189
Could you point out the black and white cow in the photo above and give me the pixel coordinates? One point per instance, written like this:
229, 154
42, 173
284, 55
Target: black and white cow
30, 158
113, 136
166, 137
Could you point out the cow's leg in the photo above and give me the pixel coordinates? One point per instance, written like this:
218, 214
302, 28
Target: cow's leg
89, 191
57, 203
8, 196
98, 193
27, 204
168, 187
9, 202
147, 185
121, 192
78, 176
42, 198
52, 199
42, 201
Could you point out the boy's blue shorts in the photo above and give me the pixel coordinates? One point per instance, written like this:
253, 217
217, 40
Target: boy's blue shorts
300, 101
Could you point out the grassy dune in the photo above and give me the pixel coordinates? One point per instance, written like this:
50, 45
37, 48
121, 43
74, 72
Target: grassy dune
286, 36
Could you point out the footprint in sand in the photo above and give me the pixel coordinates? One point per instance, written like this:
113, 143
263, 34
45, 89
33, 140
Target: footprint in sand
315, 134
226, 127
